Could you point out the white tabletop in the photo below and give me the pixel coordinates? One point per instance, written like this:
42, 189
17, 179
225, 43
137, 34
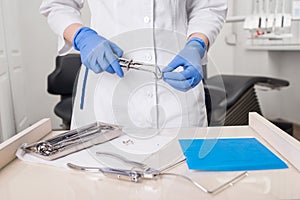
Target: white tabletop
21, 180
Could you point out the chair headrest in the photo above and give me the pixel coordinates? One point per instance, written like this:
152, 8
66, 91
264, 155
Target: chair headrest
61, 81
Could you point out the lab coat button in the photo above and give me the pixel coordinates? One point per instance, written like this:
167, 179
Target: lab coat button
149, 94
148, 57
146, 19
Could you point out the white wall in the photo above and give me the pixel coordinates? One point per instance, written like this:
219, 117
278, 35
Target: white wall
39, 49
221, 54
284, 104
276, 104
289, 69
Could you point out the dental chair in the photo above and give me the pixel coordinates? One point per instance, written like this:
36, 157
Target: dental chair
62, 82
229, 98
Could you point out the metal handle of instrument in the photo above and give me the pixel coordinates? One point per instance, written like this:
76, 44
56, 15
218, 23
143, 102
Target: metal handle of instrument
126, 175
137, 176
73, 140
130, 64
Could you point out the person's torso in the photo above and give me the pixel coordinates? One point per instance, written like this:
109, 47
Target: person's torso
151, 32
114, 17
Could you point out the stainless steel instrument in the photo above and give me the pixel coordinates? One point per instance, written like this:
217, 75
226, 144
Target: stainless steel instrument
146, 67
142, 172
73, 141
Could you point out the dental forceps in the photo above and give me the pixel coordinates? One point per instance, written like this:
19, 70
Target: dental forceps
138, 173
130, 64
73, 141
145, 172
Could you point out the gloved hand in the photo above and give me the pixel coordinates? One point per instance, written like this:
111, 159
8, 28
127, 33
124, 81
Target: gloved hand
96, 52
190, 59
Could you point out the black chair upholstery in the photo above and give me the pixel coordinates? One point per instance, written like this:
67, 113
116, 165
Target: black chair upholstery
230, 98
62, 82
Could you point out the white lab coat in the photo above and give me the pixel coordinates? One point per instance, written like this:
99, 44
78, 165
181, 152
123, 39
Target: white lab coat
151, 31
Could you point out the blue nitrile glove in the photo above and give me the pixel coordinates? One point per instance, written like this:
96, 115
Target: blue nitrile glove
96, 52
190, 59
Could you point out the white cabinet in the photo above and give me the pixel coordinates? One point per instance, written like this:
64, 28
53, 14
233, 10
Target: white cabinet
7, 125
16, 68
13, 114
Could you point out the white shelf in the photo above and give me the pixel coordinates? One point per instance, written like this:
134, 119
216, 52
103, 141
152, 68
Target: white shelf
273, 47
233, 19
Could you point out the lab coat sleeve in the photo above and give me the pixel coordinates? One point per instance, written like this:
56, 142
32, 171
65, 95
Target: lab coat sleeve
60, 14
206, 16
